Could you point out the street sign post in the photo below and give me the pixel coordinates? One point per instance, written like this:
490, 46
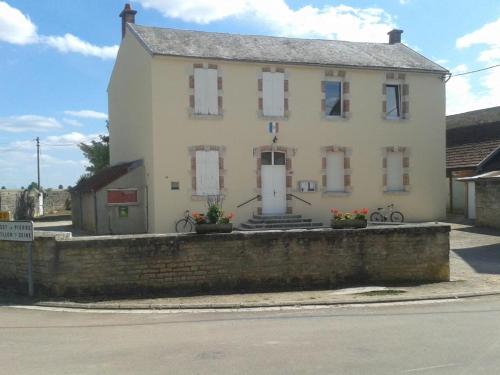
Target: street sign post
20, 231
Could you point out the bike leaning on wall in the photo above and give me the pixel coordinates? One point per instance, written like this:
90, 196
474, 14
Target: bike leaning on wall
388, 213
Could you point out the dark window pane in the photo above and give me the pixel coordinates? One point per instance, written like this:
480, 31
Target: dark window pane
265, 158
279, 158
392, 94
333, 98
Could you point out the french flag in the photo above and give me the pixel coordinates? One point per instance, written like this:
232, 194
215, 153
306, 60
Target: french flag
273, 127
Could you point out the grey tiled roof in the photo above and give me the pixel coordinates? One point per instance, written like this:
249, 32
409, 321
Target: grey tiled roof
208, 45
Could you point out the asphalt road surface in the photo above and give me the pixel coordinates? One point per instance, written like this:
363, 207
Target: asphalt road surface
456, 337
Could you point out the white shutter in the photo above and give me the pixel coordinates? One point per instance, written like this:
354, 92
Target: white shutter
395, 171
278, 94
207, 172
200, 91
335, 171
212, 92
267, 94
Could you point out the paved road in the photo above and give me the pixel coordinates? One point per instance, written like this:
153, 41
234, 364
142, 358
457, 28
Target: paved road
458, 337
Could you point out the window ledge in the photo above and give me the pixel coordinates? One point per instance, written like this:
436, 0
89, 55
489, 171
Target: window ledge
205, 117
196, 197
342, 118
336, 193
396, 192
272, 118
393, 119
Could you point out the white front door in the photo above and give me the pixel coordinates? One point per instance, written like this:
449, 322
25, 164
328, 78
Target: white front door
273, 177
471, 200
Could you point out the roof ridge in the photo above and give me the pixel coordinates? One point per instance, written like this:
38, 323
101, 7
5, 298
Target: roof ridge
262, 35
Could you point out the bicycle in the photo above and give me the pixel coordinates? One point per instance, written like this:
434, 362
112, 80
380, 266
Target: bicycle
186, 224
387, 213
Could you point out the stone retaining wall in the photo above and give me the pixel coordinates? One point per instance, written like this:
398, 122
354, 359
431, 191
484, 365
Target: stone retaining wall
240, 261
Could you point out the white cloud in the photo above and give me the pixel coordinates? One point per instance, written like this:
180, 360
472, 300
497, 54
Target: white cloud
72, 122
70, 43
70, 139
15, 27
489, 35
88, 114
24, 123
471, 92
334, 22
482, 89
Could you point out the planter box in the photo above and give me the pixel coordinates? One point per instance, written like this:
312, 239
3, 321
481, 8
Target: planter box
348, 224
213, 228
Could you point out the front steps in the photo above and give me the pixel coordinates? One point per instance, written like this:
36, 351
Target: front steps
270, 222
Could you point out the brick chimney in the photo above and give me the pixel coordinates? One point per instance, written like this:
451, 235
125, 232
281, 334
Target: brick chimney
395, 36
128, 16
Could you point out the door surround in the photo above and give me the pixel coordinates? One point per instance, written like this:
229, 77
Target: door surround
289, 154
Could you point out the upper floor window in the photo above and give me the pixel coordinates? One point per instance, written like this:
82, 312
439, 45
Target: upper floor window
273, 94
393, 100
205, 92
333, 98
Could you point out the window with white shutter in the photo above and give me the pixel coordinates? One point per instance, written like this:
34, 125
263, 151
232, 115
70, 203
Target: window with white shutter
395, 171
205, 92
207, 173
335, 172
273, 94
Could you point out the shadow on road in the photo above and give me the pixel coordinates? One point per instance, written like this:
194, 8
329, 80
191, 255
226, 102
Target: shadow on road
479, 230
483, 259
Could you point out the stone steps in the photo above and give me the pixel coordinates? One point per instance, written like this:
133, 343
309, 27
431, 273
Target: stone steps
273, 222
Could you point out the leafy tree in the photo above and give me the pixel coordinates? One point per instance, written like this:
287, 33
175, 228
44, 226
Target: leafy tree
97, 153
33, 186
3, 188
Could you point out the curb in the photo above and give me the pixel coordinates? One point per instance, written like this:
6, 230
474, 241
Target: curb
250, 305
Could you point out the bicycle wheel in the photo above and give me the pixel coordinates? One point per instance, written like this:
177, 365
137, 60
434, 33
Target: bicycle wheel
397, 217
376, 216
183, 226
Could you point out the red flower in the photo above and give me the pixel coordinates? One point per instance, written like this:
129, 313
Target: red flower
365, 211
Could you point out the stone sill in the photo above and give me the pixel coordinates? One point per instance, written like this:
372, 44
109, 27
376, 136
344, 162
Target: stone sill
397, 192
343, 118
205, 117
336, 193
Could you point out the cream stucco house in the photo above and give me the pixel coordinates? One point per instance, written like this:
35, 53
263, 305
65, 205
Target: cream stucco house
302, 125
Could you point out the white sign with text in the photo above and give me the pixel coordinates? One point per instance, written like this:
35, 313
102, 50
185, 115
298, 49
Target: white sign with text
21, 231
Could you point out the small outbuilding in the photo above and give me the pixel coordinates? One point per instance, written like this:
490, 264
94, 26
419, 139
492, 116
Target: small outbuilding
113, 201
472, 148
487, 198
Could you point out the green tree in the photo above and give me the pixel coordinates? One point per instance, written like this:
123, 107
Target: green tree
97, 153
33, 186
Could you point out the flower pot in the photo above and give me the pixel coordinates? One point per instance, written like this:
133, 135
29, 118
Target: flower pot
349, 224
213, 228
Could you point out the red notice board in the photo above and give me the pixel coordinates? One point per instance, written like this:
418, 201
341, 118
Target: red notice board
123, 197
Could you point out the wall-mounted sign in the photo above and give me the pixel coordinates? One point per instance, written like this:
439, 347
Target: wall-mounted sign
122, 197
123, 211
307, 186
273, 127
20, 231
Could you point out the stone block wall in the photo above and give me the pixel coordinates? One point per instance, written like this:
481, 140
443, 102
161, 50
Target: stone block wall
240, 261
488, 203
54, 200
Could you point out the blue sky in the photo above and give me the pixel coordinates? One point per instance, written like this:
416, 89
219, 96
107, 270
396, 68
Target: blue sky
56, 58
